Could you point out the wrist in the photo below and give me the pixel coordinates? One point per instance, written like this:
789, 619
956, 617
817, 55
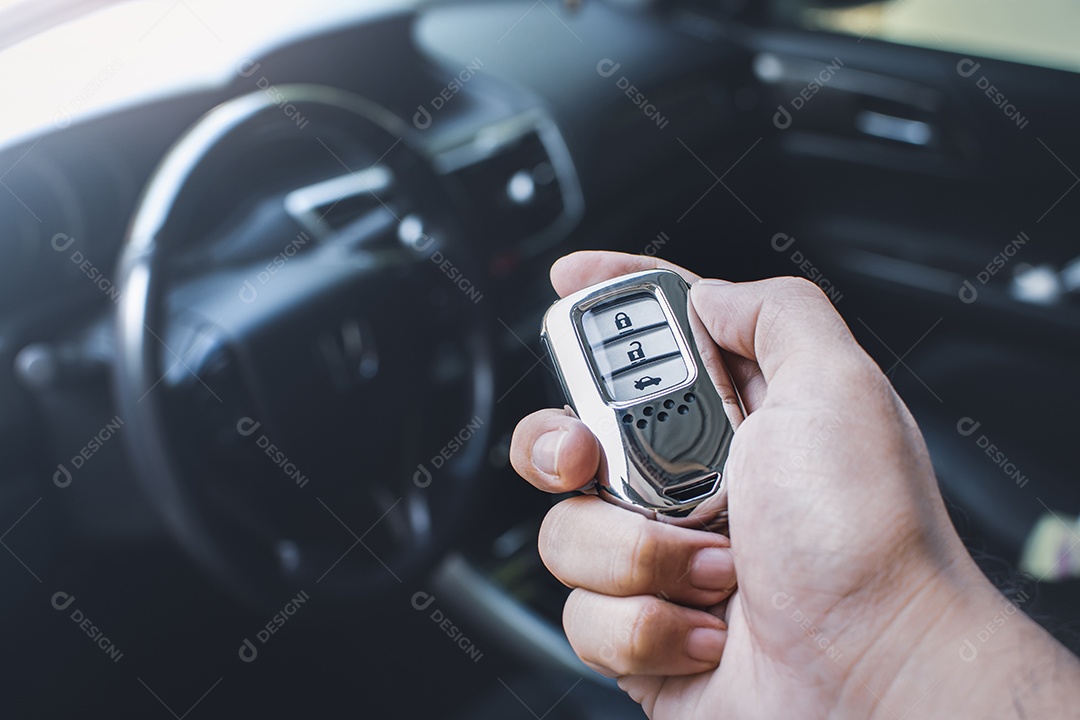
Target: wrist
962, 649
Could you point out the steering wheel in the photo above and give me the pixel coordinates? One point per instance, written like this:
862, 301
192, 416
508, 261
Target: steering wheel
305, 379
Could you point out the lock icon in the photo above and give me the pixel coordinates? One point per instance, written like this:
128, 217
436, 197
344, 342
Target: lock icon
635, 353
622, 321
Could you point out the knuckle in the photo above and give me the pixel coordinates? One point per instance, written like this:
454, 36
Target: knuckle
635, 570
795, 286
549, 540
639, 641
866, 373
572, 610
801, 295
603, 651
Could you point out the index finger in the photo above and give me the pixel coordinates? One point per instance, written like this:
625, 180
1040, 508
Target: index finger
788, 326
578, 270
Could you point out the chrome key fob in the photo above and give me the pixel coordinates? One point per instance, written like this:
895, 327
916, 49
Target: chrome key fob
629, 364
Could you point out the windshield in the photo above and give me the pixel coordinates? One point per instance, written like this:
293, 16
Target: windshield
1040, 32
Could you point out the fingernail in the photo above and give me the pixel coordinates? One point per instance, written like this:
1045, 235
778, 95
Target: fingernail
712, 569
545, 453
706, 644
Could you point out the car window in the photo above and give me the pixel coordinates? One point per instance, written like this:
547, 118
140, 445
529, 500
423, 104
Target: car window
1036, 32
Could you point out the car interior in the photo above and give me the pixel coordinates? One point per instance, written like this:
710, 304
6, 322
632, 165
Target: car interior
272, 284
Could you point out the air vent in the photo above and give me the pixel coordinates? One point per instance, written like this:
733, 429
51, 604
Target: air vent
517, 190
331, 205
520, 181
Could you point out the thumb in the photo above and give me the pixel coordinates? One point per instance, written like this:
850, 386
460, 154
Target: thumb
786, 325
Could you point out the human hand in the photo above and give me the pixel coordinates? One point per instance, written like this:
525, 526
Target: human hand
849, 570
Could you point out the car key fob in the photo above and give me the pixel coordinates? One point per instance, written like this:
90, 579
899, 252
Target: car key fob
630, 367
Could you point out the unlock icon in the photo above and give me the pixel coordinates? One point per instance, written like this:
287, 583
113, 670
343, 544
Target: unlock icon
622, 321
635, 352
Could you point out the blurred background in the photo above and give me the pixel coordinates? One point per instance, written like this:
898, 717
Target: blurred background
272, 283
